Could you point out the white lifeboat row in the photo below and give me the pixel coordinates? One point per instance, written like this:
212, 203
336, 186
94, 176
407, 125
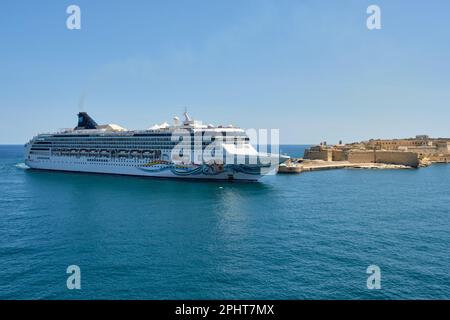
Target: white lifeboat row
106, 153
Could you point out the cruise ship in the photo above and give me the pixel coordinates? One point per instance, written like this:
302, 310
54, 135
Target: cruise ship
185, 149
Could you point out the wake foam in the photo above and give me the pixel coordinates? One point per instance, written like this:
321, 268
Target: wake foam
22, 166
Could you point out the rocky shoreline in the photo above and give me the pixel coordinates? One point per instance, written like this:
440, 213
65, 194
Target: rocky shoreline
301, 165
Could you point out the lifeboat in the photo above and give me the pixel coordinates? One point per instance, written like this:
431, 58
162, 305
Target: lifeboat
122, 153
135, 153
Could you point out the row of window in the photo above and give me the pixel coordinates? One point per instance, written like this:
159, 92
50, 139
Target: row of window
115, 164
127, 143
152, 140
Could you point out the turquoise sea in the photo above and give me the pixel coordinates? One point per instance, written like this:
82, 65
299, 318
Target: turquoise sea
308, 236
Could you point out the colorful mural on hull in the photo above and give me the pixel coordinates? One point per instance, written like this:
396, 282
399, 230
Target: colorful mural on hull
197, 169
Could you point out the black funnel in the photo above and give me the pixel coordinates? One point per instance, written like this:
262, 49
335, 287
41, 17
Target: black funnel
85, 122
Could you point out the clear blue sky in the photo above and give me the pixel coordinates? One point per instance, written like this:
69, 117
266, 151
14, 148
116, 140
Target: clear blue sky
310, 68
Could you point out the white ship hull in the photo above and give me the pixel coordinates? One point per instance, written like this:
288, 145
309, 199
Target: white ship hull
137, 170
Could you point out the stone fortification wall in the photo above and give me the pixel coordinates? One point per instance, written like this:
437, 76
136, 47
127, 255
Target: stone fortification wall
325, 155
394, 157
390, 157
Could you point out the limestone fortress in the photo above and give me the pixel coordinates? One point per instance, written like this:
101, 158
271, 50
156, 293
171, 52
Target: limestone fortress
413, 152
373, 154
